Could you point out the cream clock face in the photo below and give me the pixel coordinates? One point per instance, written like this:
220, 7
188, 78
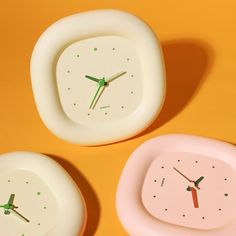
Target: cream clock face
98, 72
190, 190
34, 210
38, 197
83, 63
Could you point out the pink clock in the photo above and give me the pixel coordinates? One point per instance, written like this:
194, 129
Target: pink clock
179, 185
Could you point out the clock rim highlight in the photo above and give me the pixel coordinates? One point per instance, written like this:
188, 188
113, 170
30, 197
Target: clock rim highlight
81, 26
62, 186
130, 208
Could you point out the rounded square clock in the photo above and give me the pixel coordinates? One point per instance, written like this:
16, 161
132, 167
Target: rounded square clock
38, 197
98, 77
179, 185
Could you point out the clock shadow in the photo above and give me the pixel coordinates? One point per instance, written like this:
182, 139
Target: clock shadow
91, 199
187, 64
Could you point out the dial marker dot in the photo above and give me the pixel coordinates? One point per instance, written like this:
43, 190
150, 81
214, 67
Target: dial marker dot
225, 179
68, 71
154, 196
203, 218
226, 194
113, 49
95, 49
183, 215
9, 181
38, 193
77, 55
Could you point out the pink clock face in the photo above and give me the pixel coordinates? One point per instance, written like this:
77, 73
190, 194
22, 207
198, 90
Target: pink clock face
190, 190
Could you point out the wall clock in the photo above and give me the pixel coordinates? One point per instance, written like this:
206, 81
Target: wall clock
179, 185
98, 77
38, 197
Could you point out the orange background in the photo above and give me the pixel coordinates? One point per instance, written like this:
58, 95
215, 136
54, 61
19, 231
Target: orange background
198, 39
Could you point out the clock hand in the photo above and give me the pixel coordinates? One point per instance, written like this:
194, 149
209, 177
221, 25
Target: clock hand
9, 205
11, 199
189, 180
198, 181
194, 197
115, 76
19, 215
92, 78
101, 84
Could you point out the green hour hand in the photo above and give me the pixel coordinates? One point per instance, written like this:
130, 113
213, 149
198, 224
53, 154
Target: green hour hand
199, 180
11, 199
92, 78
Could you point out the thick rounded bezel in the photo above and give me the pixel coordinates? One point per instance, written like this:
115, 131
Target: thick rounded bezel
87, 25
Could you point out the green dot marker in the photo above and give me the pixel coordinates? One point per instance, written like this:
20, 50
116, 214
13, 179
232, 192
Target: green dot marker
38, 193
77, 55
95, 49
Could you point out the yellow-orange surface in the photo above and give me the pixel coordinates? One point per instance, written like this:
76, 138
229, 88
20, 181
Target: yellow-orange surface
199, 44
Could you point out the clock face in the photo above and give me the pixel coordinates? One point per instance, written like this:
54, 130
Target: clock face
83, 63
36, 207
38, 197
190, 190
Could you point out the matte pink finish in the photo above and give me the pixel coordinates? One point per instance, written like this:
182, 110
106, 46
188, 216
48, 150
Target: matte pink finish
135, 208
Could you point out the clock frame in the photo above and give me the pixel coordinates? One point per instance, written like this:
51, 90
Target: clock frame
41, 189
88, 25
137, 197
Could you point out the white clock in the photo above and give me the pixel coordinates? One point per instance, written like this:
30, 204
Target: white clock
98, 77
38, 197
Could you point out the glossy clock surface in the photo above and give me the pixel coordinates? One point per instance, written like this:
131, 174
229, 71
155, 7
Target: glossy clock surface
179, 185
166, 196
34, 200
38, 197
100, 57
98, 77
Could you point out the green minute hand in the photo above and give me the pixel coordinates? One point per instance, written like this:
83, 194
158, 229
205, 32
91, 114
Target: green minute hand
101, 84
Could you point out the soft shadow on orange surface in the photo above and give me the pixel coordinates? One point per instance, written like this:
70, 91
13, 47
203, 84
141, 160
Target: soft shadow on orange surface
187, 63
91, 199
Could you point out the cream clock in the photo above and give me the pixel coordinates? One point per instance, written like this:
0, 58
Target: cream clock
98, 77
38, 197
179, 185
